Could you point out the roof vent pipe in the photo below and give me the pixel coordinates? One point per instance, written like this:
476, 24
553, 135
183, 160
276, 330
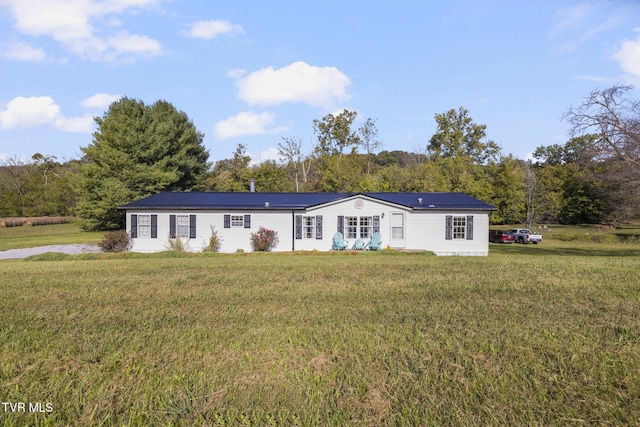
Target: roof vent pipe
266, 204
419, 200
252, 185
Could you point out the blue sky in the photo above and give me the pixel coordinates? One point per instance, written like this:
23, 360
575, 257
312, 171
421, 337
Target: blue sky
252, 72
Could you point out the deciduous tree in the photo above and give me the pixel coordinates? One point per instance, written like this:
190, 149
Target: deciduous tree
231, 174
335, 134
290, 152
459, 147
369, 140
458, 136
615, 118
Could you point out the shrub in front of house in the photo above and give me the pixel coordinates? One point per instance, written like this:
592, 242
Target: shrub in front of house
264, 240
178, 245
115, 241
215, 241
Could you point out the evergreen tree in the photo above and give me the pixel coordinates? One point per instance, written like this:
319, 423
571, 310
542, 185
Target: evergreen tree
138, 150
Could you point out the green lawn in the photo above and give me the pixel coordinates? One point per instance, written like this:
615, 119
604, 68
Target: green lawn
543, 334
43, 235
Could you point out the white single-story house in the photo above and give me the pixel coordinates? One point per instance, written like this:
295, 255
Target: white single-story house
443, 223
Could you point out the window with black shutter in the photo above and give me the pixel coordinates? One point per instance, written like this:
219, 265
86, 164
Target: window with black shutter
192, 226
134, 226
319, 227
154, 226
172, 226
298, 227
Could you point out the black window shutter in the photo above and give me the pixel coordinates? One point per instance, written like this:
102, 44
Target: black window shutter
227, 221
154, 226
192, 226
172, 226
376, 224
298, 227
134, 226
247, 221
469, 227
341, 224
319, 227
449, 228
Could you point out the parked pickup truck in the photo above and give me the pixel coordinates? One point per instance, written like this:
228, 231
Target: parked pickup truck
523, 235
499, 236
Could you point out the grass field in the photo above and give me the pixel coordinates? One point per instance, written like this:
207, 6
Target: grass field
43, 235
543, 334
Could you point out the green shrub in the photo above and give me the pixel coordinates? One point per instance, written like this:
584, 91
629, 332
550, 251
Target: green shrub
264, 240
115, 241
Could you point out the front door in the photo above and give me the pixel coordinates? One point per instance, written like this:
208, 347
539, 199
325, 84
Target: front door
397, 230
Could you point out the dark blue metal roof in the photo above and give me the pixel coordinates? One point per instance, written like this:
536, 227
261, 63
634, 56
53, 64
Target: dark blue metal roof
432, 200
288, 201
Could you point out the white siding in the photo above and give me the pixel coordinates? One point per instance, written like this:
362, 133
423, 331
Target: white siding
424, 229
357, 207
232, 238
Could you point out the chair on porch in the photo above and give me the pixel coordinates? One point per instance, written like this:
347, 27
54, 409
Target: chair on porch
339, 243
359, 245
376, 242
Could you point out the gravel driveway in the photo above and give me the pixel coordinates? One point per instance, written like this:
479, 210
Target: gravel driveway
77, 248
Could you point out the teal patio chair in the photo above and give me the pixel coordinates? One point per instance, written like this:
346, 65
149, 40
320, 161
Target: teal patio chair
359, 245
376, 242
339, 243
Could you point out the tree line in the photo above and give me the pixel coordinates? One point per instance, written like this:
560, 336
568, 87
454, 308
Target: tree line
141, 149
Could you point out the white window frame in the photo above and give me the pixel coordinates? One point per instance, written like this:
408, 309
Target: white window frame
308, 227
397, 226
144, 226
358, 227
237, 221
183, 226
351, 227
365, 227
459, 227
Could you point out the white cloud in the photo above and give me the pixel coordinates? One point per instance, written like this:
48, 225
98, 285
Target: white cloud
236, 73
270, 153
246, 123
597, 79
78, 26
570, 18
41, 111
581, 23
23, 51
83, 124
99, 100
212, 29
299, 82
125, 43
629, 58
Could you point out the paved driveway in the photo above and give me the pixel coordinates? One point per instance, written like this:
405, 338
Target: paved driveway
78, 248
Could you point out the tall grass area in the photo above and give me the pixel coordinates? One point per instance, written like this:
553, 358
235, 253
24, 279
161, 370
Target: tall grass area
324, 339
